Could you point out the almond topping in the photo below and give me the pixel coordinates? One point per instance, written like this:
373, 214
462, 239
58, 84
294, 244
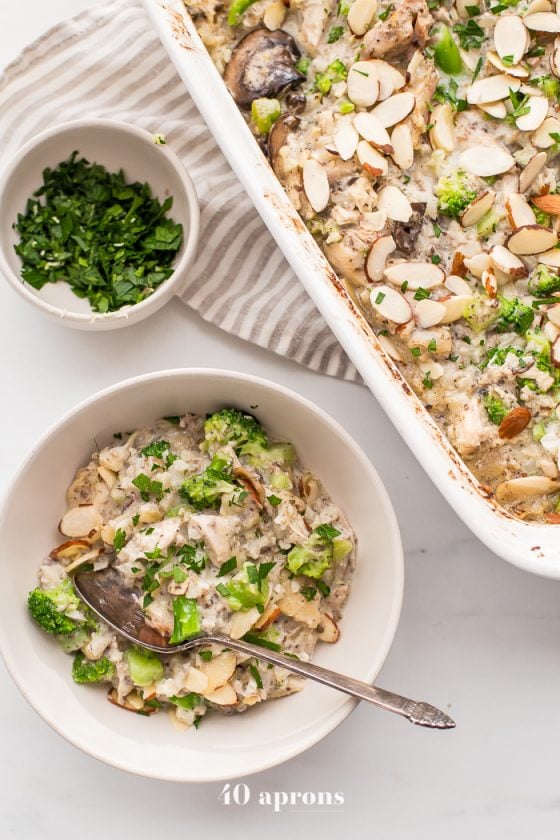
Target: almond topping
478, 208
550, 203
511, 37
514, 422
428, 313
316, 184
531, 239
395, 204
492, 89
519, 211
391, 304
360, 15
442, 134
377, 256
486, 161
362, 84
524, 488
369, 127
531, 170
415, 274
394, 109
346, 140
542, 22
403, 148
373, 161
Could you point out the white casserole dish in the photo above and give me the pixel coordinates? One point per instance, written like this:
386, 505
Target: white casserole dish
531, 546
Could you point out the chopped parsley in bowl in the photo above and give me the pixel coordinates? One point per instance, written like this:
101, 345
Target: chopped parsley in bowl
100, 223
111, 240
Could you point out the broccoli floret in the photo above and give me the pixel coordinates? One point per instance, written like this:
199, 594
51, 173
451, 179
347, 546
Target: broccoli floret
249, 588
92, 671
549, 86
543, 282
495, 408
49, 607
206, 489
514, 316
479, 314
498, 355
454, 194
315, 556
231, 426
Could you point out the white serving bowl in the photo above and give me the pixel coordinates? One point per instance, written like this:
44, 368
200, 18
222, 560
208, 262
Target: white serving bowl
116, 145
223, 747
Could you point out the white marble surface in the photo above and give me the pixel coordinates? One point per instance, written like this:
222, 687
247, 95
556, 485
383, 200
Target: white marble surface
476, 635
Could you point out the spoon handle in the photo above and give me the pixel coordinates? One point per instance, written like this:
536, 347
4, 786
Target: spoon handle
420, 713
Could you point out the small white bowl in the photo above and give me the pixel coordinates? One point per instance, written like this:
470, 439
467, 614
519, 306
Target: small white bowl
115, 145
225, 746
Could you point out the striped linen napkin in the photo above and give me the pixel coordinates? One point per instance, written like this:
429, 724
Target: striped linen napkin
108, 62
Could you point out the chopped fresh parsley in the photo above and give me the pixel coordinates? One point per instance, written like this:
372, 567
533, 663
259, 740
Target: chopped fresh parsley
421, 294
256, 675
273, 500
227, 567
471, 35
110, 240
119, 539
148, 487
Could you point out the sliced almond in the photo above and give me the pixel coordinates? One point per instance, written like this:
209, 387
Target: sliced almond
346, 140
455, 307
538, 109
541, 138
442, 133
270, 614
377, 256
457, 285
428, 313
550, 203
373, 161
538, 6
526, 487
316, 184
416, 274
518, 71
519, 211
478, 208
196, 681
223, 696
511, 37
132, 702
514, 422
218, 670
492, 89
80, 521
403, 147
395, 204
328, 629
362, 84
394, 109
531, 170
497, 110
88, 557
391, 304
294, 605
486, 161
555, 58
360, 15
555, 352
550, 258
542, 22
69, 550
390, 79
531, 239
108, 476
551, 331
369, 127
390, 348
242, 622
505, 261
490, 283
274, 15
553, 314
478, 263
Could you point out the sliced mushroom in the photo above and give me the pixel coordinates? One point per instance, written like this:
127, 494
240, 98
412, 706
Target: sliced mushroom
80, 521
278, 137
262, 64
406, 233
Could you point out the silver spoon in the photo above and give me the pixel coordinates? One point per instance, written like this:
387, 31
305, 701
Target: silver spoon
116, 605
